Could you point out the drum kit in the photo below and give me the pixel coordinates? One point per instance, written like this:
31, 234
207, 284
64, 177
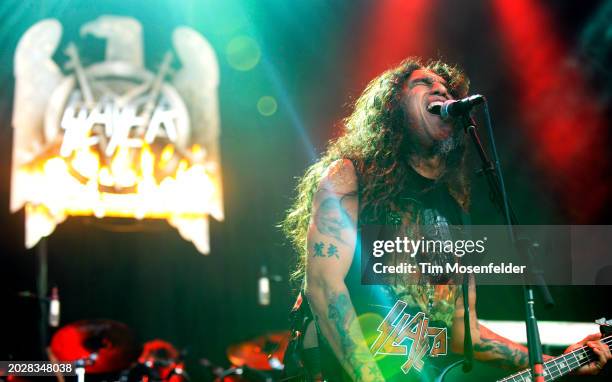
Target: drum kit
108, 350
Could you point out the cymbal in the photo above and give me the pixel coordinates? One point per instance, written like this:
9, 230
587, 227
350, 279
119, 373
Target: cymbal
162, 360
114, 343
258, 352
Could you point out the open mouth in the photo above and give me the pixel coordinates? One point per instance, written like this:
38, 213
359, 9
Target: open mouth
434, 107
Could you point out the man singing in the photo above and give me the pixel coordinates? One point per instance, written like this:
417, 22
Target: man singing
397, 164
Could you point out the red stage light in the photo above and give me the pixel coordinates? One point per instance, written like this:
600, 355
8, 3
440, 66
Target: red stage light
393, 30
559, 113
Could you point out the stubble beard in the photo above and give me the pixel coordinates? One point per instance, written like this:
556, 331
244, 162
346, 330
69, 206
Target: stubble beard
440, 148
445, 147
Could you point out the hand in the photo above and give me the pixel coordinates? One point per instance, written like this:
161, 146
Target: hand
601, 350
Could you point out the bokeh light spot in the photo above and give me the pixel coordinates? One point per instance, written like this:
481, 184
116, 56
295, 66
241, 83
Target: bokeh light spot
267, 105
243, 53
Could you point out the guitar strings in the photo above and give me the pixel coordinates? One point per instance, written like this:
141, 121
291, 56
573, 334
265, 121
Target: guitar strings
575, 364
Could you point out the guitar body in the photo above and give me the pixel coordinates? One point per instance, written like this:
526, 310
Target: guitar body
480, 372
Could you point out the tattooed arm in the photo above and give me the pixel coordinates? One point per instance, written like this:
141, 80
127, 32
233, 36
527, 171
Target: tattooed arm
501, 351
488, 346
491, 347
331, 243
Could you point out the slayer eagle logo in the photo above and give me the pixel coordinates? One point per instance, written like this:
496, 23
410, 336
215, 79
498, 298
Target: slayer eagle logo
111, 138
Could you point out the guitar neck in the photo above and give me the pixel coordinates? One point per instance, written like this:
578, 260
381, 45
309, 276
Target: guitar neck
560, 366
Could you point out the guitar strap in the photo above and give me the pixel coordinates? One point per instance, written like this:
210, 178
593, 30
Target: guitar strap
301, 364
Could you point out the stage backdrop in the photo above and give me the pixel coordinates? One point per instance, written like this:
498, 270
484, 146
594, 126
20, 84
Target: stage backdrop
288, 74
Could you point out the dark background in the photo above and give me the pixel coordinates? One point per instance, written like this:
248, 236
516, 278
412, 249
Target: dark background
144, 274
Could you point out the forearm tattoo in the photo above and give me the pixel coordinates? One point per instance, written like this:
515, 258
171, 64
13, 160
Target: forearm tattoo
355, 355
505, 354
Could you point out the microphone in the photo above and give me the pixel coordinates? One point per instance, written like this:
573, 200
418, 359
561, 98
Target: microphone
54, 308
456, 108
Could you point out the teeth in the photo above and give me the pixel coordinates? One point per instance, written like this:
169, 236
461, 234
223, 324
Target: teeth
435, 103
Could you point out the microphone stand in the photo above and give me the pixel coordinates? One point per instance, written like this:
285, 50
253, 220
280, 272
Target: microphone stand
42, 290
495, 181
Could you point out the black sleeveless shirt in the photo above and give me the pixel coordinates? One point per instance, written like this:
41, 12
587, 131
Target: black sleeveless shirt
424, 306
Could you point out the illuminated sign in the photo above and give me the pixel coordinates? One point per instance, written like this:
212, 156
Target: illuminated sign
113, 138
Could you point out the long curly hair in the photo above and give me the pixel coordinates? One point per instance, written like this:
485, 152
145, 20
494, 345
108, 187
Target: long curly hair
375, 140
